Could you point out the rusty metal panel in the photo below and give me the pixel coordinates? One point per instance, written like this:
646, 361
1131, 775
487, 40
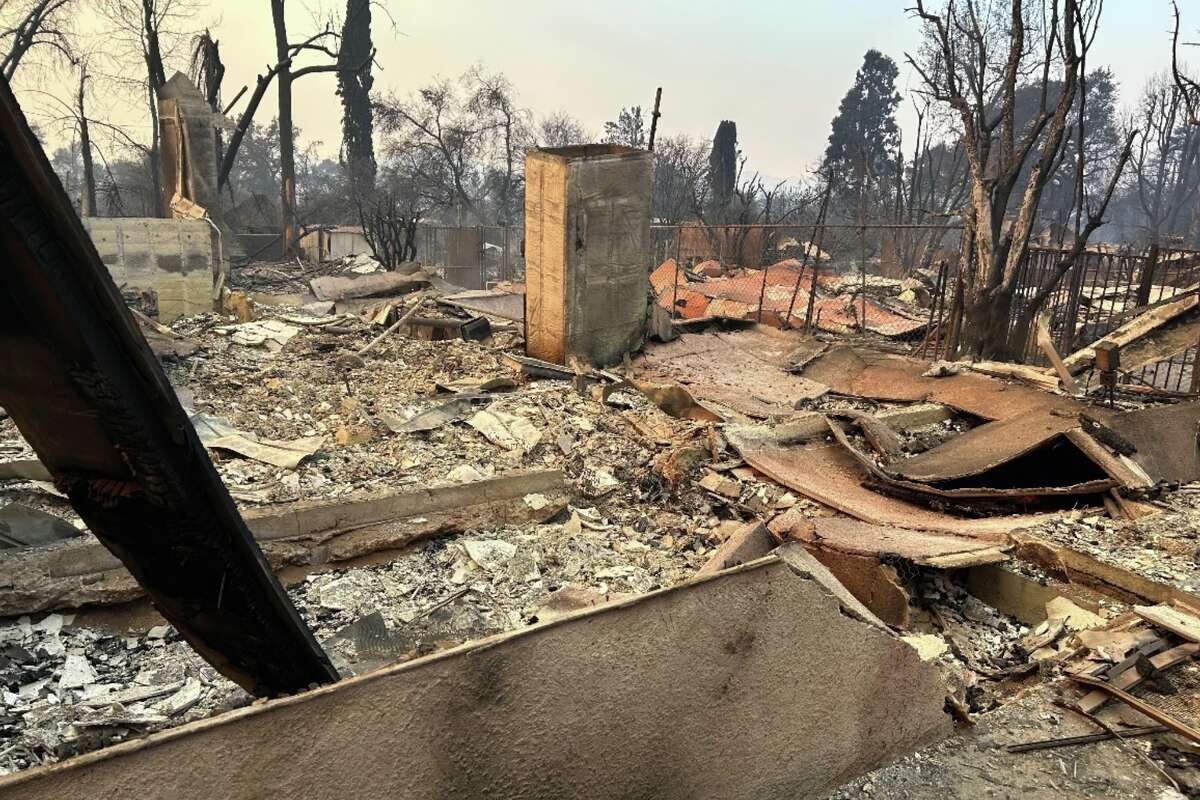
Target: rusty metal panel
880, 376
1079, 474
830, 475
982, 449
1166, 440
87, 393
855, 537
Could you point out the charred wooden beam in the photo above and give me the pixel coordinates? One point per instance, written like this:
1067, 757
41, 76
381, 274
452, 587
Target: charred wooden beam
87, 393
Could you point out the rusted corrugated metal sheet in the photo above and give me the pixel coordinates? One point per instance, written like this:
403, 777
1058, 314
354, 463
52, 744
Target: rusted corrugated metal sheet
1067, 471
742, 370
881, 376
87, 393
984, 448
855, 537
1166, 440
829, 474
740, 294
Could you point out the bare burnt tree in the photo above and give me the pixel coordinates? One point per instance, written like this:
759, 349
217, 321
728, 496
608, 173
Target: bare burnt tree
263, 82
1166, 165
287, 141
389, 216
463, 142
680, 165
494, 99
389, 225
443, 141
326, 42
355, 57
560, 129
150, 31
1083, 231
979, 54
1188, 87
87, 200
207, 72
932, 189
153, 13
35, 25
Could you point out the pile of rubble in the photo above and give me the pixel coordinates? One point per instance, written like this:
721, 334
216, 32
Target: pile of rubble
841, 303
480, 491
69, 689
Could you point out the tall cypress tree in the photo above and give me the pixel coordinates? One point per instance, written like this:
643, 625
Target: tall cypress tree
864, 139
354, 86
722, 164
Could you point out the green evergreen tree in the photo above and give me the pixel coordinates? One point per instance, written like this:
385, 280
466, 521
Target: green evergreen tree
864, 140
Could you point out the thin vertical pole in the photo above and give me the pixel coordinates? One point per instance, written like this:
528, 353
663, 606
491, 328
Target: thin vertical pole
808, 246
816, 274
678, 267
1195, 387
654, 117
862, 243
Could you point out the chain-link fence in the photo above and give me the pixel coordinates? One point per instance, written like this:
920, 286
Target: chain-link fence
875, 278
472, 257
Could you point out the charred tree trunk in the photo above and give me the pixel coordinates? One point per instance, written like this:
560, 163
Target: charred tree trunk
156, 78
87, 199
244, 123
287, 142
409, 252
1094, 220
155, 157
354, 86
209, 72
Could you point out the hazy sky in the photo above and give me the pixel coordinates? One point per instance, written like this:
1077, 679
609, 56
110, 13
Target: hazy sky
776, 67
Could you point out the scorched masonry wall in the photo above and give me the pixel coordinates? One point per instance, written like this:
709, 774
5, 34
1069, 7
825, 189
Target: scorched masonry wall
587, 230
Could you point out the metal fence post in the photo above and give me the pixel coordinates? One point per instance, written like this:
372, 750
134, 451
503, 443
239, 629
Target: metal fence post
1147, 281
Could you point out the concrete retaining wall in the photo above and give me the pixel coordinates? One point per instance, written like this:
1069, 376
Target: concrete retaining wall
761, 682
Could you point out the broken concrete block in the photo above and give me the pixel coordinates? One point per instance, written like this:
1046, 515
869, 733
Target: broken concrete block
175, 261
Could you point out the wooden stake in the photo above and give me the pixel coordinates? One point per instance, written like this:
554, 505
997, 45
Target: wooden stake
407, 316
654, 117
1044, 342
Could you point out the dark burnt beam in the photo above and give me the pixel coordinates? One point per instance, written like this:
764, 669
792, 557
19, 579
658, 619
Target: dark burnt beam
86, 392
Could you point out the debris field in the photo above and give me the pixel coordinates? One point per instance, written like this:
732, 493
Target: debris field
682, 495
